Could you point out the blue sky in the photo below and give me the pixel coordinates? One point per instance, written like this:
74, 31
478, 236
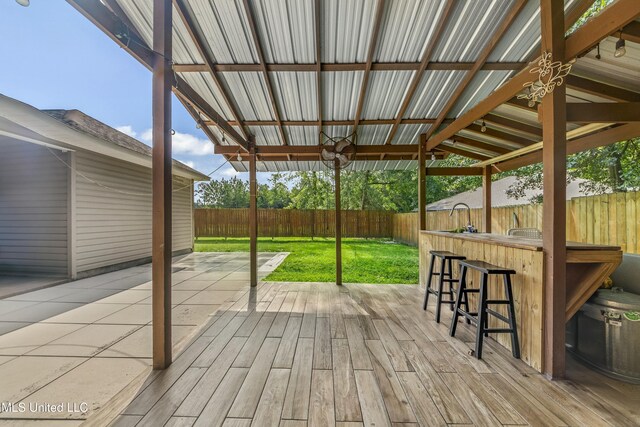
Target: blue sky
53, 57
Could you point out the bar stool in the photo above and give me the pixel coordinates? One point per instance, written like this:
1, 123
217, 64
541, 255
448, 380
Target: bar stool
480, 318
445, 276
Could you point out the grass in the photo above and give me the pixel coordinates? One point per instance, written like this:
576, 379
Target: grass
363, 261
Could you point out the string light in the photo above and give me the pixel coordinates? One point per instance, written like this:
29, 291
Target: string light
173, 132
621, 50
483, 128
239, 157
433, 156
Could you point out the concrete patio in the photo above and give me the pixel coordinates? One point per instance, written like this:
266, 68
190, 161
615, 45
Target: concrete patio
86, 340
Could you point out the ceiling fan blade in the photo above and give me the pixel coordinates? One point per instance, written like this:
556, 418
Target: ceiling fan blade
328, 155
344, 160
342, 145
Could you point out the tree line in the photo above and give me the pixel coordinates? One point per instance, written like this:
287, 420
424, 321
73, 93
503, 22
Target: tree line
614, 167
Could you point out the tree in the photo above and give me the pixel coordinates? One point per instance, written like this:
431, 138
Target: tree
224, 193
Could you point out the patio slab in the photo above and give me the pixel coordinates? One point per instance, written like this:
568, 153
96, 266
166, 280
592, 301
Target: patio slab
85, 341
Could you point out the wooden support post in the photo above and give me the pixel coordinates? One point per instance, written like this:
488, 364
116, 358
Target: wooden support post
554, 162
486, 199
162, 185
253, 213
422, 184
338, 227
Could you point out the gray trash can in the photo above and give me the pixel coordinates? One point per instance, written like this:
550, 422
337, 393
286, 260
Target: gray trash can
605, 333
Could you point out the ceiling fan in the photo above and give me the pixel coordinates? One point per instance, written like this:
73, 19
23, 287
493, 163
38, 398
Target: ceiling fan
338, 151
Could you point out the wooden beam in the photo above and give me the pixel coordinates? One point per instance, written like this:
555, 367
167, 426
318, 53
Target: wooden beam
481, 145
602, 90
253, 215
603, 112
338, 225
498, 134
631, 32
194, 30
343, 67
486, 199
512, 124
422, 183
161, 186
328, 122
607, 22
610, 20
514, 11
554, 218
599, 139
318, 64
373, 43
462, 152
426, 58
265, 73
266, 150
454, 171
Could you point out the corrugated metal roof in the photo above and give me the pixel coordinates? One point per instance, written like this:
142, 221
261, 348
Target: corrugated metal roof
250, 94
287, 30
266, 135
373, 134
469, 29
409, 134
296, 94
302, 135
478, 89
346, 29
340, 91
203, 84
385, 93
434, 91
407, 27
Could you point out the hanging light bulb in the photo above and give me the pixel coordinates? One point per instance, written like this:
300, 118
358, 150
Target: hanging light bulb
433, 156
483, 128
24, 3
173, 132
621, 50
531, 103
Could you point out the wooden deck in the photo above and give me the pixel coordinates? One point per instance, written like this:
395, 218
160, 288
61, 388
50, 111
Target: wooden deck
298, 354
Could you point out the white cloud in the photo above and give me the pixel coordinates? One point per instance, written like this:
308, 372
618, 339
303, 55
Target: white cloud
128, 130
191, 164
184, 143
229, 172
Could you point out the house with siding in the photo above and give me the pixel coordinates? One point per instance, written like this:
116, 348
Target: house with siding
75, 194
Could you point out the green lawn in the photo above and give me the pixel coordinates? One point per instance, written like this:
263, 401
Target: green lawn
363, 261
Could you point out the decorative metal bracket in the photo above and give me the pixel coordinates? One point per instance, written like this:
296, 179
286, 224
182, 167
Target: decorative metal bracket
550, 75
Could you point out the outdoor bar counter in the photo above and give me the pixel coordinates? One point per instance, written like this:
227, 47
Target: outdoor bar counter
587, 266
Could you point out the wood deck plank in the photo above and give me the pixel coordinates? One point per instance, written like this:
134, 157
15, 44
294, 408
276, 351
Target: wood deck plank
215, 410
270, 405
347, 404
321, 406
296, 403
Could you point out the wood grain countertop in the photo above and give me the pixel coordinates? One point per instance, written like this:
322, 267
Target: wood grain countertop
518, 242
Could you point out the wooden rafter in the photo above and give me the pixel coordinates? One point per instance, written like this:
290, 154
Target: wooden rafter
327, 122
512, 124
454, 171
265, 72
631, 32
498, 134
417, 77
481, 145
462, 152
605, 112
194, 31
343, 66
609, 21
601, 89
482, 58
373, 43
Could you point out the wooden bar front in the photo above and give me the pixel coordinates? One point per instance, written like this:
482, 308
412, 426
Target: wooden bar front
587, 266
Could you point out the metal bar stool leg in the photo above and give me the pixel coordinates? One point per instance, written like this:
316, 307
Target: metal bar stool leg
482, 314
462, 284
428, 286
515, 344
451, 287
443, 263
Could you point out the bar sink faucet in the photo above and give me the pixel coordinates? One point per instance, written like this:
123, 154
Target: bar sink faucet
469, 228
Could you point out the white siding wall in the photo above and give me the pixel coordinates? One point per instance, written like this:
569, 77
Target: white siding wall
33, 208
113, 225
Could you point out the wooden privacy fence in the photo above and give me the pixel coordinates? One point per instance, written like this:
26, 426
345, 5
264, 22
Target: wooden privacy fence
292, 223
608, 219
